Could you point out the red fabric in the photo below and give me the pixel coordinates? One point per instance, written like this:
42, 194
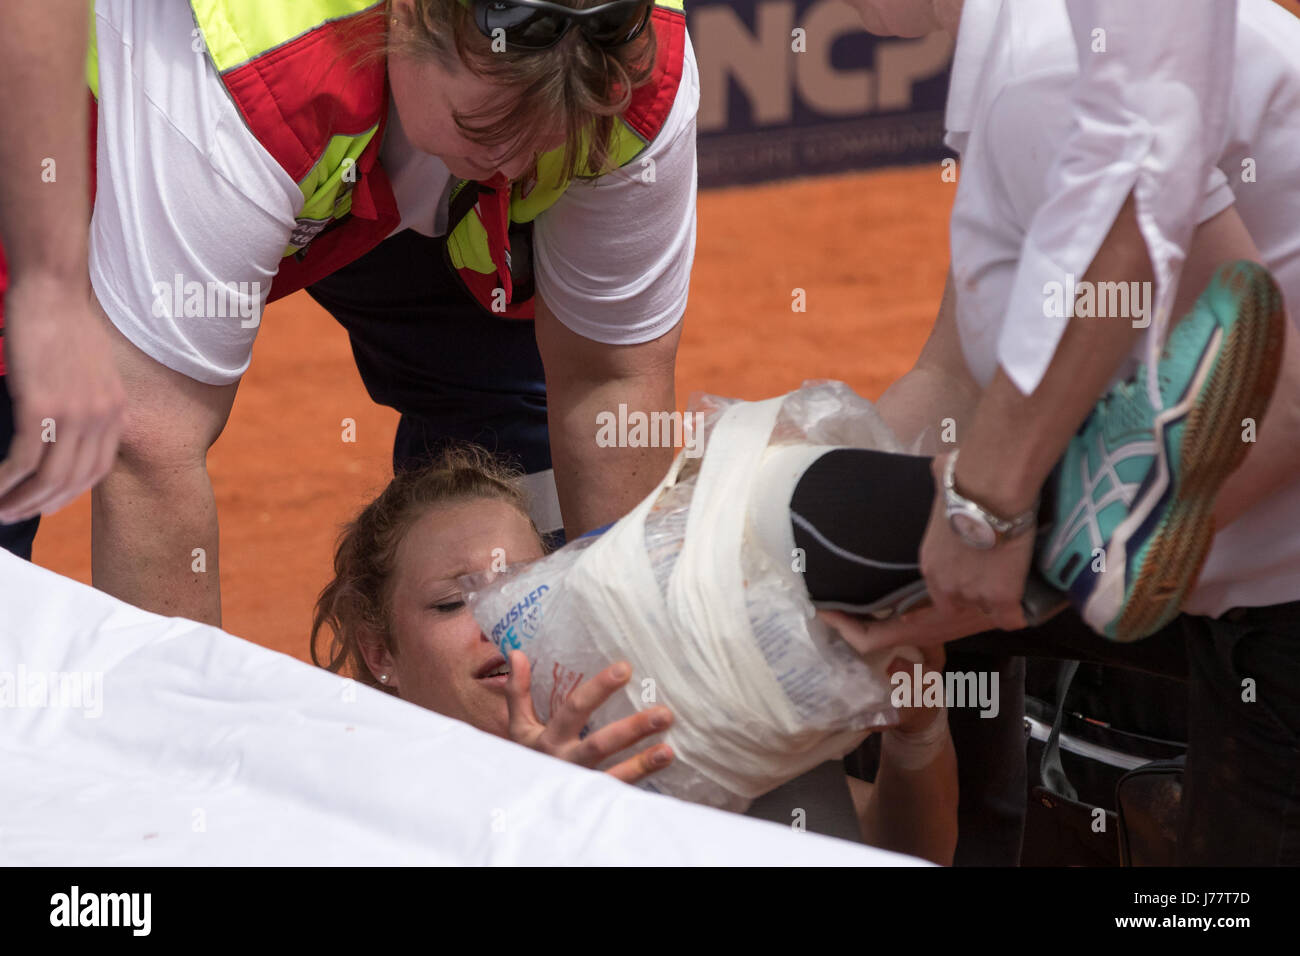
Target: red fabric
4, 266
374, 216
295, 98
494, 212
652, 102
298, 95
482, 287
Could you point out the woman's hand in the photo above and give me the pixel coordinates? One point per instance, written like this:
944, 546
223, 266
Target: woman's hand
61, 376
560, 738
911, 718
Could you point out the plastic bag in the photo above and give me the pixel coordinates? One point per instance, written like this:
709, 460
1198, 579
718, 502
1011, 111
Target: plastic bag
713, 628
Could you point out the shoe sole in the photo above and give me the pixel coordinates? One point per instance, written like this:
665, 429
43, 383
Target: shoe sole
1240, 386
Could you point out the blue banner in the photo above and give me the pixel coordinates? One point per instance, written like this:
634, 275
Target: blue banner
798, 87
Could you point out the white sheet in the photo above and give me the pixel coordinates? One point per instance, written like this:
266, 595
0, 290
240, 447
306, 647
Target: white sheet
212, 750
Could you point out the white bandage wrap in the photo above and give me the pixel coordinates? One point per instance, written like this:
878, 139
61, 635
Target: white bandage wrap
779, 472
738, 723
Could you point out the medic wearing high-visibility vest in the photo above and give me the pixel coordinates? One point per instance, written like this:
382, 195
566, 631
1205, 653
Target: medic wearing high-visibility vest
495, 197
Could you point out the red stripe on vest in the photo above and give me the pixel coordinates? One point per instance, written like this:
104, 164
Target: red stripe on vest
374, 215
297, 96
652, 102
494, 212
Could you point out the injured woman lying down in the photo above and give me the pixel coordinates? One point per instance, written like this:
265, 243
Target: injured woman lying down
678, 650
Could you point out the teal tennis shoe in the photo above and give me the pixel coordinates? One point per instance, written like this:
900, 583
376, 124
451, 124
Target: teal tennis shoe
1135, 489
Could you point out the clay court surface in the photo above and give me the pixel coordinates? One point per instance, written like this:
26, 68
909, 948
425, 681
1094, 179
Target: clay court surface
869, 249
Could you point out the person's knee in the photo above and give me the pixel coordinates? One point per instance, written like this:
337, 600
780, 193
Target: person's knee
159, 448
171, 420
159, 480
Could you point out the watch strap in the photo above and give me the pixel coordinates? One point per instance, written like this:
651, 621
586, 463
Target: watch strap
1005, 528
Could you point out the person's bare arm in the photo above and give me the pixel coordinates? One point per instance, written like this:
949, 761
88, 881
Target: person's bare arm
937, 388
583, 379
1013, 440
911, 811
67, 398
912, 806
44, 200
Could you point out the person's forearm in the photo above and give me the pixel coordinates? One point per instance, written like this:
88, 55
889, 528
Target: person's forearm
44, 205
1014, 440
915, 811
600, 473
927, 405
597, 482
933, 402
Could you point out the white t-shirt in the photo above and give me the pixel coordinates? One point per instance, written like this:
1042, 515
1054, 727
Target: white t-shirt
188, 199
1013, 88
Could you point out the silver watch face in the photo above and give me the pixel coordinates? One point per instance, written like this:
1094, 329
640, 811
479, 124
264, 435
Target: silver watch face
972, 529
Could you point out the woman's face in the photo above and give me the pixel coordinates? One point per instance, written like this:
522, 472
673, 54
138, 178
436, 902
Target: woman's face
428, 97
442, 658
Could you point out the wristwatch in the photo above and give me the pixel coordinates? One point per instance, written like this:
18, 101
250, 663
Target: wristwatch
976, 525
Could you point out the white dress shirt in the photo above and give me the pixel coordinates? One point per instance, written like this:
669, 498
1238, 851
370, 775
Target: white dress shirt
1046, 166
1149, 118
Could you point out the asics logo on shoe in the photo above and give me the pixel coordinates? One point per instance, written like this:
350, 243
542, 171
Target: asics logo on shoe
1093, 500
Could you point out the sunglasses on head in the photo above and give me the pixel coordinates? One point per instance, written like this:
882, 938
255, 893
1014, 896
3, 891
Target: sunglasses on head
540, 24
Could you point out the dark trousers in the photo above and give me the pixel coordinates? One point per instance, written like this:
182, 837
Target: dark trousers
991, 767
423, 346
991, 761
1241, 786
1241, 789
18, 537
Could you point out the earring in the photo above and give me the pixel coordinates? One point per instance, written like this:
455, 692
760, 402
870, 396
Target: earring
383, 678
